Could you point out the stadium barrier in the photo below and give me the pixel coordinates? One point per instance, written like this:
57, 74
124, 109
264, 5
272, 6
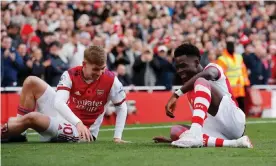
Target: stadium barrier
261, 101
146, 104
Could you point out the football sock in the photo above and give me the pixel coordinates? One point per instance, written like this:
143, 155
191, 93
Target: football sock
23, 111
217, 142
202, 99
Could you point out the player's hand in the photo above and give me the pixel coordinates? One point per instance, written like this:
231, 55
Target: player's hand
161, 139
120, 141
84, 132
170, 107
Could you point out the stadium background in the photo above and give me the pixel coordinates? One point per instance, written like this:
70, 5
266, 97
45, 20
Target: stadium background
46, 38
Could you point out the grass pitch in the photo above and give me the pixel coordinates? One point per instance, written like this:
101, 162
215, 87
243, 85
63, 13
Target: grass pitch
142, 151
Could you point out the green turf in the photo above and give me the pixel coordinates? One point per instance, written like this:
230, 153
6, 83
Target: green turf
142, 151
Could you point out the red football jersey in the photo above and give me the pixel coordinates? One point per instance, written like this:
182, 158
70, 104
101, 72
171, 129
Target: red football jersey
87, 100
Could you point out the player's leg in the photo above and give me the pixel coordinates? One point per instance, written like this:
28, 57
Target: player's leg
202, 100
32, 89
175, 132
16, 126
208, 141
242, 142
231, 119
58, 130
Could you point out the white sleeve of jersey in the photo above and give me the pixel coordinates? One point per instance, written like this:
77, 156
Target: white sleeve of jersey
62, 96
117, 94
65, 82
220, 70
95, 127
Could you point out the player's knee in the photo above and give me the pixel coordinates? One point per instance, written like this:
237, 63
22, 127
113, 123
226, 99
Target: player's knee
30, 119
35, 86
30, 81
176, 131
203, 82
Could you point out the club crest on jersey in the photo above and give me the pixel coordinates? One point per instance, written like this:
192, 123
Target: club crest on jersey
99, 92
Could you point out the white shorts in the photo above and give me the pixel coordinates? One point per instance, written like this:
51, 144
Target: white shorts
229, 122
59, 129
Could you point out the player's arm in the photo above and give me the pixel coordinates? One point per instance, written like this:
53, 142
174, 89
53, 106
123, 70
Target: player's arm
60, 104
62, 96
117, 96
210, 73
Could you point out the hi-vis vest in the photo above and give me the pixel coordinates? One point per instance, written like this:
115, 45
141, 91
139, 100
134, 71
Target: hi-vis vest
233, 69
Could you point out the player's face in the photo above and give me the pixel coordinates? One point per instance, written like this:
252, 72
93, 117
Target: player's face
186, 67
93, 71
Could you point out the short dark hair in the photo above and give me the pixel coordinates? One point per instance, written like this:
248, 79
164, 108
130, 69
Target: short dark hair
188, 50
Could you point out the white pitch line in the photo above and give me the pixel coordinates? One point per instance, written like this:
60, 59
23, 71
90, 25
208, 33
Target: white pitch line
168, 126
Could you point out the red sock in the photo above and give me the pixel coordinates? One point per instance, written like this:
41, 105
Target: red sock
23, 111
202, 99
212, 142
209, 141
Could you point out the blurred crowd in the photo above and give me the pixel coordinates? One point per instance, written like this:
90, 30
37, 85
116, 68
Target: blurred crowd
46, 38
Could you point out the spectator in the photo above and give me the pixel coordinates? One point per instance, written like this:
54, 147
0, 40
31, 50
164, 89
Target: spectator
12, 63
167, 72
146, 68
24, 73
206, 56
234, 68
13, 32
117, 55
85, 39
41, 29
48, 38
37, 65
272, 52
27, 32
34, 43
72, 52
258, 73
58, 66
123, 77
138, 24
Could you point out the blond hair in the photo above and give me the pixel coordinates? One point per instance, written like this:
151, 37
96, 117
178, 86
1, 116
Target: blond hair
95, 55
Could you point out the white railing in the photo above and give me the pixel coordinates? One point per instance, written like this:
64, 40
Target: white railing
266, 87
143, 88
127, 88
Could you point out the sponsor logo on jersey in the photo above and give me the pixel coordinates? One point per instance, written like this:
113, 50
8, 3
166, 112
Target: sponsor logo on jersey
87, 105
99, 92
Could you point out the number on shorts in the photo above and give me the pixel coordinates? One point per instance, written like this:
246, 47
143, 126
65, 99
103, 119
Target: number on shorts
68, 129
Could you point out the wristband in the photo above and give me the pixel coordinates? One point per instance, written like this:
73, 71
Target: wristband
179, 92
